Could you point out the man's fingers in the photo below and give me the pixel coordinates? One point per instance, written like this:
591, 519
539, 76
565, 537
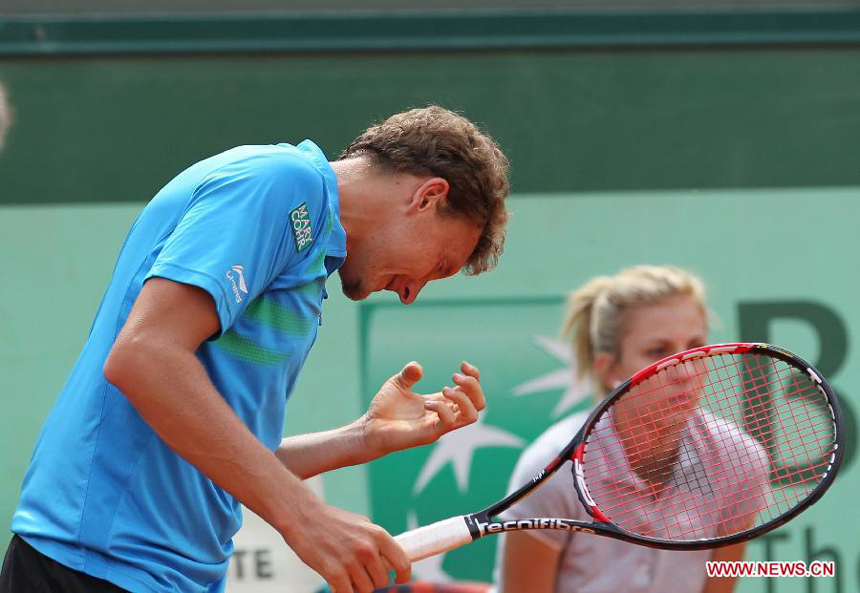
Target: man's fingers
395, 557
378, 572
409, 375
353, 554
467, 412
472, 388
360, 579
340, 584
470, 370
442, 409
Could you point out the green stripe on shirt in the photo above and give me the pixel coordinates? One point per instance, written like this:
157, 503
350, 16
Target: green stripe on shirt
279, 317
245, 349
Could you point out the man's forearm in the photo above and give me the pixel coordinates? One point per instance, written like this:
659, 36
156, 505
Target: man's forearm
310, 454
173, 394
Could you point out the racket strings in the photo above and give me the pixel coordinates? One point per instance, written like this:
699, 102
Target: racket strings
710, 447
697, 478
697, 485
742, 461
824, 423
783, 471
790, 443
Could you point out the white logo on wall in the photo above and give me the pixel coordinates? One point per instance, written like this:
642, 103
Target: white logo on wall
238, 285
575, 388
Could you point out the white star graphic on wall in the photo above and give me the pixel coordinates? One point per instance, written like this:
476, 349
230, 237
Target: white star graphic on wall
565, 378
430, 569
458, 447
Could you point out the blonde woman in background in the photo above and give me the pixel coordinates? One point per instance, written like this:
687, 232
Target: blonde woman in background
619, 324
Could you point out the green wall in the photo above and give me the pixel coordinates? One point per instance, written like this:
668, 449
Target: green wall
736, 161
66, 7
115, 130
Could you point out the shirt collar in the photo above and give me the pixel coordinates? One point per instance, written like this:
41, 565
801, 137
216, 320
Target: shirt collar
336, 248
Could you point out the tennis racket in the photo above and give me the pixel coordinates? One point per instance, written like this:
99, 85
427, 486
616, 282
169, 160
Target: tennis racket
706, 448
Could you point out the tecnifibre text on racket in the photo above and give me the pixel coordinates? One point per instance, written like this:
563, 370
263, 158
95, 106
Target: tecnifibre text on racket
750, 425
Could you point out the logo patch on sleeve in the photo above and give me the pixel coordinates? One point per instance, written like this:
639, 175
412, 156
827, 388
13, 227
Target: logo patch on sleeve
236, 276
300, 220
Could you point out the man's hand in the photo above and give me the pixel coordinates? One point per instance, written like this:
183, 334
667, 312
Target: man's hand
399, 418
352, 554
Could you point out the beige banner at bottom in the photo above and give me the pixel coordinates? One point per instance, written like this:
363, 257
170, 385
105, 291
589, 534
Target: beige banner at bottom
263, 563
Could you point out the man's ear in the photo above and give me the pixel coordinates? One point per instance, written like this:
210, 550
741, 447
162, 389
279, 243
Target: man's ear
429, 195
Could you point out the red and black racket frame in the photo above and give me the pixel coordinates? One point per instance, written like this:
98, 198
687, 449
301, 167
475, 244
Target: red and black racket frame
482, 523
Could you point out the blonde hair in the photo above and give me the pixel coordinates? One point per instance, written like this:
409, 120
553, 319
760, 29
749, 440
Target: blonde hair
594, 311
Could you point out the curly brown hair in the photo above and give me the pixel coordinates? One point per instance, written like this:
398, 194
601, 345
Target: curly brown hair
437, 142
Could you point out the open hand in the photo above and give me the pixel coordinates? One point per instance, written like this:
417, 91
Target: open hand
399, 418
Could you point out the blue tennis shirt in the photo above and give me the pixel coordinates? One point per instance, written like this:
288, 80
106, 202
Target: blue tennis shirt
258, 228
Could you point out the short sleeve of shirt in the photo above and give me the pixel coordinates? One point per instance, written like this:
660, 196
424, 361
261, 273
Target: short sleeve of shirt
246, 222
557, 496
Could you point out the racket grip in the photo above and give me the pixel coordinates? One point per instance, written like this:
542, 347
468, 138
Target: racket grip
435, 538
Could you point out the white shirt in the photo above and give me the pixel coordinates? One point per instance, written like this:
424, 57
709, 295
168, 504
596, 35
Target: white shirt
596, 564
718, 484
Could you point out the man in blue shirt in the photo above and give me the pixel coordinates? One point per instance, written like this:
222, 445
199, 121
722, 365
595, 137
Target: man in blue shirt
173, 413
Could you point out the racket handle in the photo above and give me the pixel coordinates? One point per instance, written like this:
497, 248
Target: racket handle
435, 538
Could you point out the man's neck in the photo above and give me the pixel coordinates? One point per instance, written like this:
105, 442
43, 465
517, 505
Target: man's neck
356, 206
